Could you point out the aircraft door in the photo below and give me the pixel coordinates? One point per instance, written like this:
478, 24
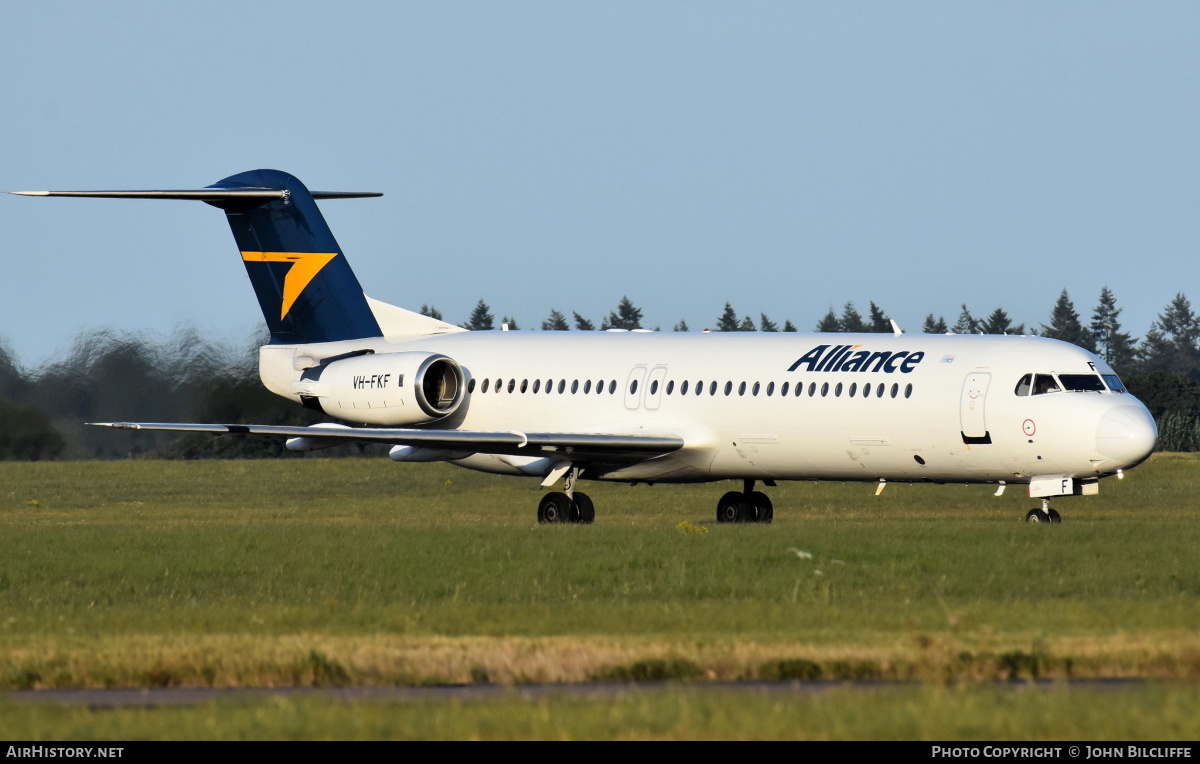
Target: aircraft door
634, 387
971, 409
654, 387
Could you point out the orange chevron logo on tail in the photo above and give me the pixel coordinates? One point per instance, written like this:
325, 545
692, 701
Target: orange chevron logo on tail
305, 267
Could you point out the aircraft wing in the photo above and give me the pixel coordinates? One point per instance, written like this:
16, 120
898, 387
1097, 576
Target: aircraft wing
567, 445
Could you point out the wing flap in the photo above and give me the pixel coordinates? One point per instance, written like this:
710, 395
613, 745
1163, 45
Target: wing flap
571, 445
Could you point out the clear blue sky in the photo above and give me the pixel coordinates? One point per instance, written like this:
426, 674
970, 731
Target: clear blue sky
784, 156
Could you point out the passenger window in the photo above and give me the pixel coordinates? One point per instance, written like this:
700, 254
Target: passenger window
1023, 385
712, 388
587, 386
612, 386
670, 387
499, 386
599, 387
562, 385
853, 389
770, 389
683, 388
908, 390
812, 388
537, 385
471, 386
879, 390
895, 389
742, 389
867, 390
632, 387
782, 390
524, 385
484, 388
824, 389
1045, 383
549, 385
512, 385
654, 387
728, 388
837, 391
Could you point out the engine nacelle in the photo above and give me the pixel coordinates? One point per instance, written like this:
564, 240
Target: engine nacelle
387, 389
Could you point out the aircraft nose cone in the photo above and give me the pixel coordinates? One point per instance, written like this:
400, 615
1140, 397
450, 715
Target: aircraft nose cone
1126, 434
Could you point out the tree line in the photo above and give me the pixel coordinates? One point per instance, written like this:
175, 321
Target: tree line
108, 376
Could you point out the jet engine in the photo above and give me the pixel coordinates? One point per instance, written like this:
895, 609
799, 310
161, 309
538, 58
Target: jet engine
386, 389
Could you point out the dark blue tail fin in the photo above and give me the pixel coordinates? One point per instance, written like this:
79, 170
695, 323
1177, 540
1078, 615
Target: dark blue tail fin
304, 284
305, 287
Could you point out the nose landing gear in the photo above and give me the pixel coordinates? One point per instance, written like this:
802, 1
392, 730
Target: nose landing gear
1044, 514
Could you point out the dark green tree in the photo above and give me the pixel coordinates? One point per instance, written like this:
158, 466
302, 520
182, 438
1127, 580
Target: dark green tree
966, 323
851, 320
1173, 342
12, 379
555, 322
582, 324
432, 312
626, 316
1113, 345
481, 318
877, 320
728, 321
830, 322
935, 325
788, 326
681, 326
510, 322
1000, 323
766, 324
747, 325
27, 434
1065, 325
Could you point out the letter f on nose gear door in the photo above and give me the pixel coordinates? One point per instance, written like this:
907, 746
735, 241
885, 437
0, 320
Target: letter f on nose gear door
974, 394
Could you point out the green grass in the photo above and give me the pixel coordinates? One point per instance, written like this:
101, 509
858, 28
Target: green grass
990, 714
330, 572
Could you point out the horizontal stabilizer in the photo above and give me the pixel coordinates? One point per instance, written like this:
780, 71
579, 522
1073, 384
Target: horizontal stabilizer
202, 194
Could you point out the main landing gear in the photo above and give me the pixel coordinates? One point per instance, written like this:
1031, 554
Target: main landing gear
1044, 514
570, 506
746, 506
557, 507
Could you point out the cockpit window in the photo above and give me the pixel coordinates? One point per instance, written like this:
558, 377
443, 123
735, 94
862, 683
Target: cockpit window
1082, 383
1114, 383
1045, 383
1023, 385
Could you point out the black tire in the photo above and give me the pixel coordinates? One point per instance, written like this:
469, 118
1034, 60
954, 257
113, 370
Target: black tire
584, 510
554, 508
1054, 516
729, 508
764, 510
1036, 515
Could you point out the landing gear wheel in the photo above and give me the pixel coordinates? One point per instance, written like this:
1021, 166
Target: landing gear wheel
1054, 516
1036, 515
554, 508
763, 509
730, 508
583, 510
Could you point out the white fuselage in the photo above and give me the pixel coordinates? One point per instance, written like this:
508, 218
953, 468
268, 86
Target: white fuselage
870, 407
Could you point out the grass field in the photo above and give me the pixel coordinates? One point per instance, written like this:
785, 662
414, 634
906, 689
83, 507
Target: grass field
336, 572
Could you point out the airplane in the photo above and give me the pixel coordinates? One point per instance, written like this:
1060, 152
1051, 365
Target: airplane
652, 407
